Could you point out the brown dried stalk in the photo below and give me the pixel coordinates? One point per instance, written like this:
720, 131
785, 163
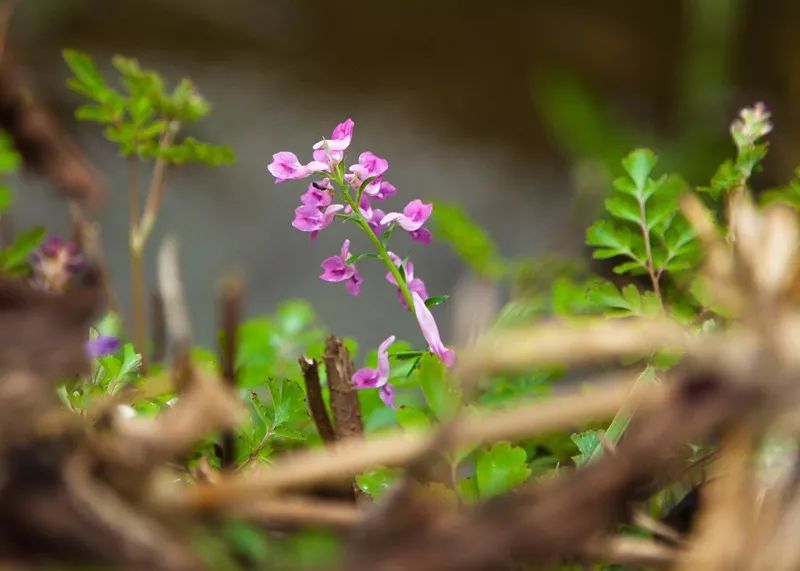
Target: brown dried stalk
344, 400
316, 404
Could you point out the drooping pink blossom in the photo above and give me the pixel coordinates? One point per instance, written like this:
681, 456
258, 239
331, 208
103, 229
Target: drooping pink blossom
313, 219
319, 194
286, 166
422, 235
385, 189
373, 216
414, 215
414, 284
336, 269
331, 151
430, 331
378, 378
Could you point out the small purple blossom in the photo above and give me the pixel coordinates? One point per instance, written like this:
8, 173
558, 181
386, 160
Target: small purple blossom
331, 151
414, 284
378, 378
369, 166
55, 263
373, 216
318, 194
286, 166
313, 219
102, 346
336, 269
414, 215
430, 331
385, 190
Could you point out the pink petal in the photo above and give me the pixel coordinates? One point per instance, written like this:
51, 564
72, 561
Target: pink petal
366, 378
430, 331
386, 392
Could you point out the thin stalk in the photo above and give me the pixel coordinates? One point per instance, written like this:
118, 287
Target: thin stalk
137, 266
157, 184
649, 252
382, 252
140, 231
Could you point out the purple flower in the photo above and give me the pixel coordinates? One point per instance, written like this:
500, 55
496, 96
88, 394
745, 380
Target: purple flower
372, 215
318, 194
414, 215
336, 269
54, 264
286, 166
385, 189
430, 331
102, 346
313, 219
414, 284
367, 378
331, 151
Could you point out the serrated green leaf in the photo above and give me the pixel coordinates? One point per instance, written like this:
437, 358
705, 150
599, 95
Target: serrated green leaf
500, 468
639, 164
288, 404
623, 207
587, 442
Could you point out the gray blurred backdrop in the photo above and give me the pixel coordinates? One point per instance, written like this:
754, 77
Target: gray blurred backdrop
447, 90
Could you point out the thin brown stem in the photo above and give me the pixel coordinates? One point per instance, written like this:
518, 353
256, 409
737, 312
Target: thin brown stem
137, 269
316, 404
155, 192
230, 314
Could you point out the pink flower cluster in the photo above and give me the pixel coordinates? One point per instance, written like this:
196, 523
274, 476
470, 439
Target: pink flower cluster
356, 187
366, 179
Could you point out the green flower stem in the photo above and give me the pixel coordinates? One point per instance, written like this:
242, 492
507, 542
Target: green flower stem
381, 250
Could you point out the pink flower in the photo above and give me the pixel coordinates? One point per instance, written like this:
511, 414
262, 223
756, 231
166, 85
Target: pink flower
318, 194
367, 378
312, 219
370, 166
372, 215
430, 331
336, 269
331, 151
385, 189
414, 215
286, 166
414, 284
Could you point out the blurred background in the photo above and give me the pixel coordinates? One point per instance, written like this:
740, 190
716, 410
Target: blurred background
518, 110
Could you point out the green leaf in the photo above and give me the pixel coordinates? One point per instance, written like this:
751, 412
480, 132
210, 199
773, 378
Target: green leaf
9, 157
587, 442
288, 403
24, 244
377, 482
413, 419
358, 257
467, 239
639, 164
436, 300
441, 392
611, 240
500, 468
6, 198
82, 65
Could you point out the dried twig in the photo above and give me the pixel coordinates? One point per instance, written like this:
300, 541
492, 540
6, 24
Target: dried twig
316, 404
231, 300
344, 401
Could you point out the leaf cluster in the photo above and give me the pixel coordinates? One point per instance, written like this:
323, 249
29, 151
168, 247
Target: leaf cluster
143, 116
